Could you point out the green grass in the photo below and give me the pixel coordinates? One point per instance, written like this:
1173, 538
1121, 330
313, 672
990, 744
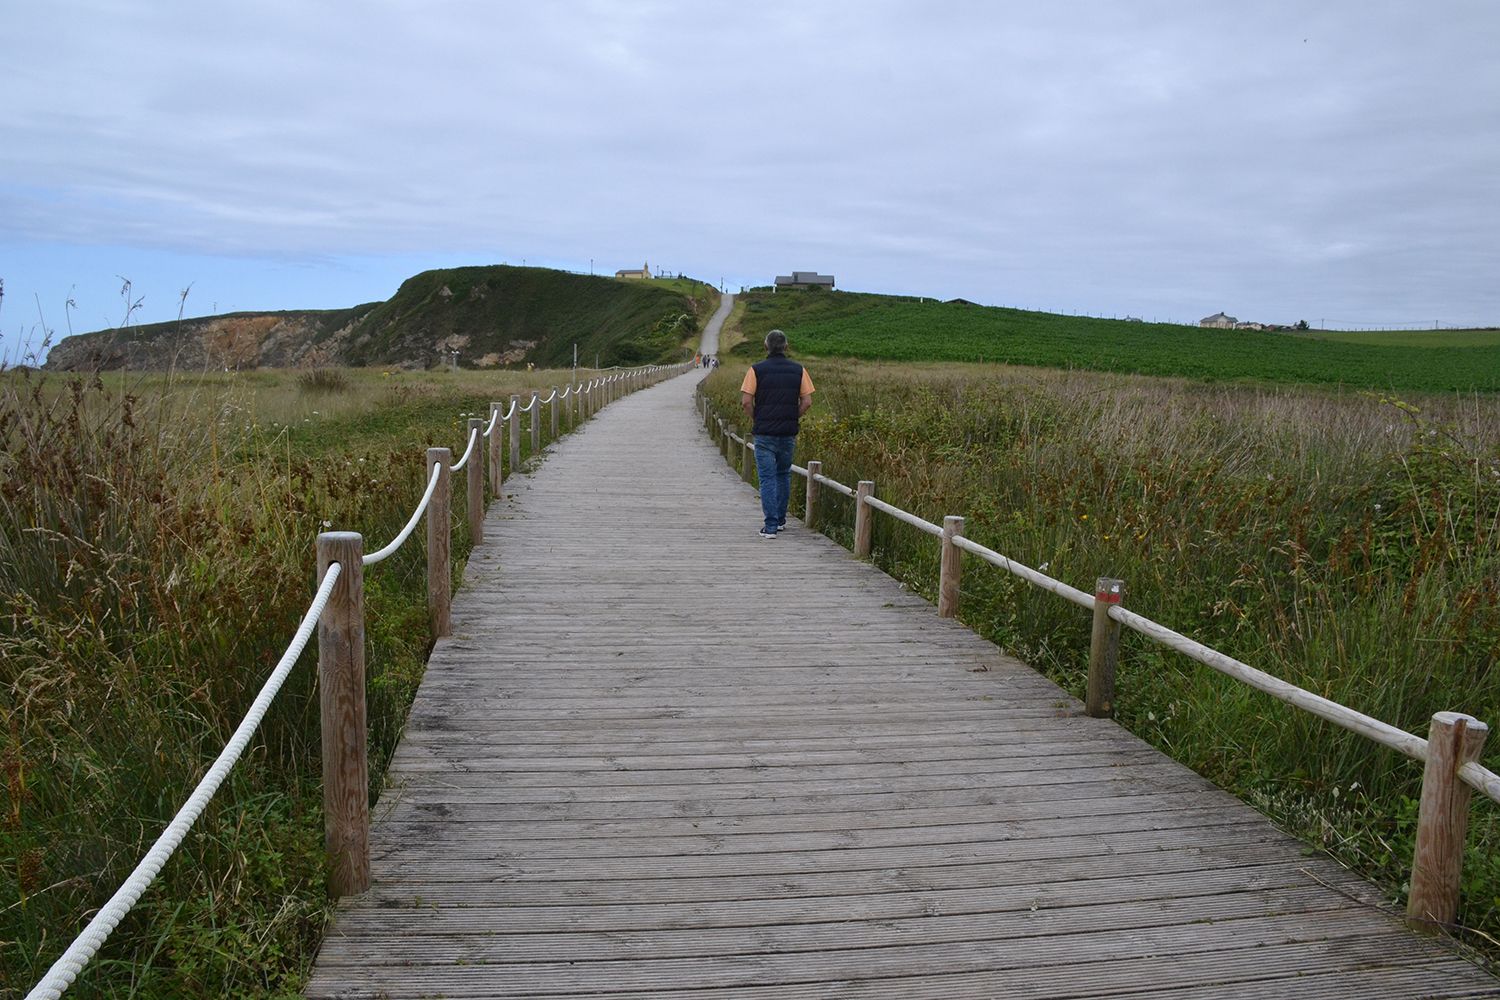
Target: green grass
1410, 338
156, 553
1345, 542
875, 327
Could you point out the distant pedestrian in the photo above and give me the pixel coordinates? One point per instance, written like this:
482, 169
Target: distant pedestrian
775, 394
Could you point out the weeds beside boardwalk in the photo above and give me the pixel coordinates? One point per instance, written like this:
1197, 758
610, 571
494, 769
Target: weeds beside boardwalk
158, 552
1347, 543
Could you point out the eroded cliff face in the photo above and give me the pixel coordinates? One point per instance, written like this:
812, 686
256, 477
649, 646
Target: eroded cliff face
234, 342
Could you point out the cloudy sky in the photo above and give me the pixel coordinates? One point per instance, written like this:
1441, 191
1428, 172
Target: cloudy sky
1337, 161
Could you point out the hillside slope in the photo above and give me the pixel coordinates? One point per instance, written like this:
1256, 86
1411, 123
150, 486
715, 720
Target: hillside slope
902, 329
492, 316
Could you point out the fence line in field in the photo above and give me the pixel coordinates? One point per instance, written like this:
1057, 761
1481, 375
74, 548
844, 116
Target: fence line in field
1450, 753
337, 610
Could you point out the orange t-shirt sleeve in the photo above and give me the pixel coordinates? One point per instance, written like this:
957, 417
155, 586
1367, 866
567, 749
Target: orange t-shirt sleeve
807, 386
749, 384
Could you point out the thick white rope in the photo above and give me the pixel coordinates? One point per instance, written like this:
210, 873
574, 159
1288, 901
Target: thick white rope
567, 389
512, 411
372, 558
494, 419
473, 436
88, 943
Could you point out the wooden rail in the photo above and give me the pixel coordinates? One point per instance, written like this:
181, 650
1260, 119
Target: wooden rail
1450, 752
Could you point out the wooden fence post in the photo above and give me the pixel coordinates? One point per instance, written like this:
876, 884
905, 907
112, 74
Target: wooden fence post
497, 433
863, 518
439, 568
515, 434
810, 506
747, 459
341, 695
554, 406
951, 569
474, 487
536, 423
723, 441
1104, 649
1453, 739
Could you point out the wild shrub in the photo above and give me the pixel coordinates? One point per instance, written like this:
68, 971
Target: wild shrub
156, 552
322, 379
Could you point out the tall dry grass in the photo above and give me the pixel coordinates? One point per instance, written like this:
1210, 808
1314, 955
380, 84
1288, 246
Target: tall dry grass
1348, 543
156, 552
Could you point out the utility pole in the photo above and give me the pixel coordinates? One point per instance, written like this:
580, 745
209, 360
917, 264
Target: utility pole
575, 362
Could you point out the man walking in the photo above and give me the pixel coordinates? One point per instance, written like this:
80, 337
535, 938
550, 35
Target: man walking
775, 394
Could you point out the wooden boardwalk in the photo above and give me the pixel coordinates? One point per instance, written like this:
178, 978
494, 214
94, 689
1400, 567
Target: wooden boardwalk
662, 757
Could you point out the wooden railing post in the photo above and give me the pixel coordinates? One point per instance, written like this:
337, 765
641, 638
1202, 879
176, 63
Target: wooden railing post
1453, 739
515, 434
439, 567
952, 567
863, 518
554, 406
747, 460
810, 507
1104, 649
536, 423
474, 487
723, 440
497, 433
341, 694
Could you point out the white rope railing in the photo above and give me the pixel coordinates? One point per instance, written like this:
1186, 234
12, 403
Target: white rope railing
459, 465
84, 947
432, 481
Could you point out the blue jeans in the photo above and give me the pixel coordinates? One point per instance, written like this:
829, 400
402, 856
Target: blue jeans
773, 461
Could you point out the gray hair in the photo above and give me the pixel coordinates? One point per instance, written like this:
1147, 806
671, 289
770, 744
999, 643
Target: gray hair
776, 342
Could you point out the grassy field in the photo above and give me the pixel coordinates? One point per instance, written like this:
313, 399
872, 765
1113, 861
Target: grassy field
158, 553
1410, 338
1348, 543
875, 327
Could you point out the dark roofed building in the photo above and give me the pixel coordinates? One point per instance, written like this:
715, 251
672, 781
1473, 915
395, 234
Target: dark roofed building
804, 279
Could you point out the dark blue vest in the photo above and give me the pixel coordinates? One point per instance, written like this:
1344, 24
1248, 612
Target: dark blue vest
778, 385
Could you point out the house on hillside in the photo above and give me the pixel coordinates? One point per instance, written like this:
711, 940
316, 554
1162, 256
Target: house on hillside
641, 274
804, 279
1250, 326
1222, 321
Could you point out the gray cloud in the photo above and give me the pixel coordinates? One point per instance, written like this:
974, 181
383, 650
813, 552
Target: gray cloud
1170, 159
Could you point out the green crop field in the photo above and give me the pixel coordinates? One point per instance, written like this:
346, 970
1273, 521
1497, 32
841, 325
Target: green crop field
875, 327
